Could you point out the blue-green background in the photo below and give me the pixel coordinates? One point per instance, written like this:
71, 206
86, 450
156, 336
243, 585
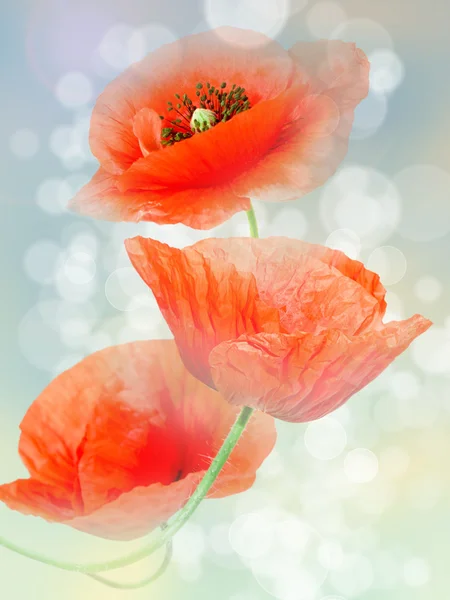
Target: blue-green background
390, 535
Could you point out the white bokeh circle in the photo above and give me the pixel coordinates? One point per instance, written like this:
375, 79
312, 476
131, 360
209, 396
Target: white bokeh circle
324, 17
79, 267
346, 241
41, 261
369, 116
74, 89
389, 263
148, 38
428, 289
266, 16
362, 200
289, 222
361, 465
416, 572
126, 291
431, 351
386, 71
325, 439
425, 190
365, 33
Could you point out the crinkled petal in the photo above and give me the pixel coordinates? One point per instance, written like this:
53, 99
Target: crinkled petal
246, 58
205, 300
303, 377
203, 291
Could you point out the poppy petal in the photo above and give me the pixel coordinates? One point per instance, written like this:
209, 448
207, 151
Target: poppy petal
218, 289
303, 377
147, 128
205, 300
197, 208
128, 427
312, 147
217, 156
231, 55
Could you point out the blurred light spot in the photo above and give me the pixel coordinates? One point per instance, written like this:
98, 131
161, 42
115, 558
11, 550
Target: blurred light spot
266, 16
365, 33
346, 241
361, 465
405, 385
66, 363
251, 535
24, 143
282, 552
80, 268
386, 71
125, 290
74, 89
325, 439
52, 195
369, 116
426, 192
98, 341
74, 332
330, 555
85, 243
324, 17
289, 222
416, 572
362, 200
41, 261
389, 263
78, 290
114, 48
219, 539
428, 289
431, 350
354, 577
147, 39
394, 461
189, 545
394, 311
144, 314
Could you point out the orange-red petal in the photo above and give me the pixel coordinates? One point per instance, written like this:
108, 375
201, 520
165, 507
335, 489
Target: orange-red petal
247, 59
303, 377
218, 156
315, 141
117, 443
204, 299
197, 208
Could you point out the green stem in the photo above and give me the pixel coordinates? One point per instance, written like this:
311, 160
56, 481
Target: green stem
177, 522
138, 584
252, 223
179, 519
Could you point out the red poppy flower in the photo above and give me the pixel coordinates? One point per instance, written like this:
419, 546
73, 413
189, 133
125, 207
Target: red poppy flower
118, 443
287, 327
198, 127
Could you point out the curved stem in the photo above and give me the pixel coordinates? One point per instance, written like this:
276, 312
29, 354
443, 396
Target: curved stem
143, 582
252, 223
178, 521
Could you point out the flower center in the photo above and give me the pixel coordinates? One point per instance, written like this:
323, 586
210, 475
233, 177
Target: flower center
213, 105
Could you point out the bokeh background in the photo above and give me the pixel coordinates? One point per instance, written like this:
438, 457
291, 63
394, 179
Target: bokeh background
355, 505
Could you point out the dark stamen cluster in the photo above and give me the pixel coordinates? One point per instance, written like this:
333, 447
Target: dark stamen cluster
225, 105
